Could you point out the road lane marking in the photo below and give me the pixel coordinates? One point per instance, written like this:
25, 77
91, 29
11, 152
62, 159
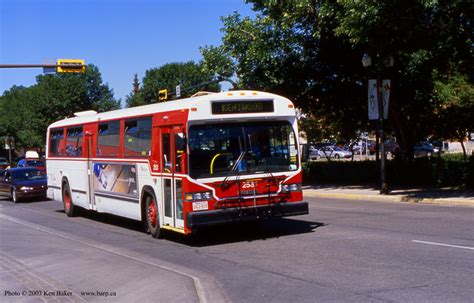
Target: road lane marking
207, 289
442, 244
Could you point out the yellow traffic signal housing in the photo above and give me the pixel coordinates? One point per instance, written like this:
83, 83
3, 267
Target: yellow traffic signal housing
70, 66
162, 94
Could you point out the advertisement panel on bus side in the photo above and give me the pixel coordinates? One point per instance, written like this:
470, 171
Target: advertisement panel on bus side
115, 179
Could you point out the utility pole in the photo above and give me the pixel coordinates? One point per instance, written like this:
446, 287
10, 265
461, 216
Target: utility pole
61, 66
367, 62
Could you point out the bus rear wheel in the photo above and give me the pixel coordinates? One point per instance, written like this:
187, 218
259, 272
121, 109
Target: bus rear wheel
69, 208
152, 218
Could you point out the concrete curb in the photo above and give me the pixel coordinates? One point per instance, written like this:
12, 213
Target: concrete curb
390, 198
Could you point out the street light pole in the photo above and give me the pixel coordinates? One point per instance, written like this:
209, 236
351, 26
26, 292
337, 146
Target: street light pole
383, 183
367, 62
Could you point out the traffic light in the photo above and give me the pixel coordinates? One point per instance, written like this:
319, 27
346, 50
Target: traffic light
70, 66
162, 94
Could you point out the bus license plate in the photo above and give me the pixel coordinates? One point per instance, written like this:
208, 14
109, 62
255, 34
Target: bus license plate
200, 205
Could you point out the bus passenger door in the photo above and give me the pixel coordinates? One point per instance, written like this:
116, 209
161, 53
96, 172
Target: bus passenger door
173, 161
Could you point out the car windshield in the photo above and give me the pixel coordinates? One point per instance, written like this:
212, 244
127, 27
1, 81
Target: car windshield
34, 163
27, 174
219, 150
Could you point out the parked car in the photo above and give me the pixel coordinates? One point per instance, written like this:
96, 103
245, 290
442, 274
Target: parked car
334, 152
363, 147
313, 153
424, 149
439, 145
3, 163
21, 183
391, 146
38, 163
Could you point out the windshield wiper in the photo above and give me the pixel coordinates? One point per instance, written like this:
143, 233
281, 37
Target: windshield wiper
234, 167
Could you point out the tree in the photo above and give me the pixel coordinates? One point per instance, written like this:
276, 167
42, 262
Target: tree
25, 113
170, 75
18, 117
273, 53
427, 39
456, 113
135, 98
311, 50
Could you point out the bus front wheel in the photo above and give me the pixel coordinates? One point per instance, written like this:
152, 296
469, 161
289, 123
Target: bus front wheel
152, 218
67, 201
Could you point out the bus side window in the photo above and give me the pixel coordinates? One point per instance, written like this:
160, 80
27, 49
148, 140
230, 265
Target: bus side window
56, 140
74, 142
108, 139
137, 137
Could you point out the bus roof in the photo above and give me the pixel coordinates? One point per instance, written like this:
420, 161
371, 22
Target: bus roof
201, 104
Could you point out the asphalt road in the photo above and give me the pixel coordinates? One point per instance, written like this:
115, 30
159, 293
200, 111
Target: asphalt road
353, 251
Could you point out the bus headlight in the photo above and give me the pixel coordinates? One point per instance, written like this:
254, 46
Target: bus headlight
207, 195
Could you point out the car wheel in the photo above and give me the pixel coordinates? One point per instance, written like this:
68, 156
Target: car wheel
152, 217
69, 208
337, 156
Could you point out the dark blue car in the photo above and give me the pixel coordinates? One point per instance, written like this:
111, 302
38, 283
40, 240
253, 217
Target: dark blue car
23, 183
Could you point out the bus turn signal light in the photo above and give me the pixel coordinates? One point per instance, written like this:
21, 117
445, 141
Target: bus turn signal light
207, 195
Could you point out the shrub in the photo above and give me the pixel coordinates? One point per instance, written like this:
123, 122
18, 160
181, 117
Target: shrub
444, 171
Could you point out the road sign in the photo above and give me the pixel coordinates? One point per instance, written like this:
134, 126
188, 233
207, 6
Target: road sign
386, 85
70, 66
373, 99
178, 91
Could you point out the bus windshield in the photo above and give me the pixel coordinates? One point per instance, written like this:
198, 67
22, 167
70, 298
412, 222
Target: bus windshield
229, 149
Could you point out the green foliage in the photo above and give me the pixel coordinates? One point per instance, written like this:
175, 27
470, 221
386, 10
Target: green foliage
455, 95
338, 172
25, 113
18, 117
168, 77
217, 61
311, 50
448, 170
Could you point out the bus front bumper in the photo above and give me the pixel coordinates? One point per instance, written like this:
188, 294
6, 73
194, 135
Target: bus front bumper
220, 216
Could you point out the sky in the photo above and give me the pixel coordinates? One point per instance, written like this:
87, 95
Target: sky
120, 37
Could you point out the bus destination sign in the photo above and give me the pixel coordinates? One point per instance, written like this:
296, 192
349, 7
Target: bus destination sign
242, 107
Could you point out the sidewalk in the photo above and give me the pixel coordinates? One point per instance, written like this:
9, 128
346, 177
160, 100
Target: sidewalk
441, 196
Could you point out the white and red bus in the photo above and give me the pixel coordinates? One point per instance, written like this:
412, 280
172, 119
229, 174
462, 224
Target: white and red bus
180, 165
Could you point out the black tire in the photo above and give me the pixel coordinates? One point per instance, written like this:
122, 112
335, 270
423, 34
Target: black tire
337, 156
15, 198
152, 217
69, 207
